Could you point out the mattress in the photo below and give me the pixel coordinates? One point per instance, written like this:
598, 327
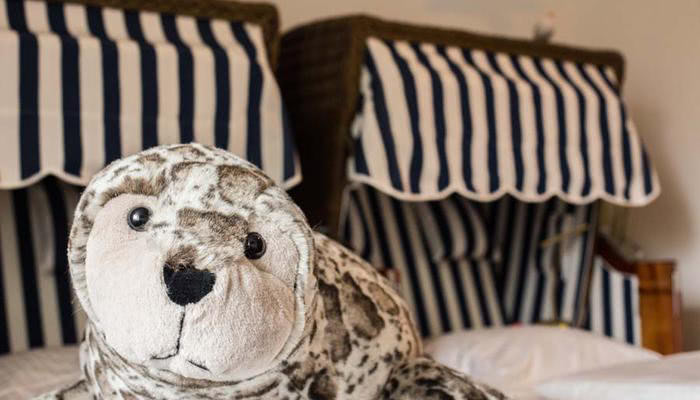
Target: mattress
28, 374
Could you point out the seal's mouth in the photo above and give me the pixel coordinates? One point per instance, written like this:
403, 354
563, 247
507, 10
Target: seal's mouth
176, 350
200, 366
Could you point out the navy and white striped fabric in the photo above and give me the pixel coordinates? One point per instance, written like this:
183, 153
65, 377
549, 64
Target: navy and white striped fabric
36, 301
532, 242
84, 85
439, 250
534, 142
436, 120
465, 264
613, 308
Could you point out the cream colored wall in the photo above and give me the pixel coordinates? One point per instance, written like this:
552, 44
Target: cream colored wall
661, 42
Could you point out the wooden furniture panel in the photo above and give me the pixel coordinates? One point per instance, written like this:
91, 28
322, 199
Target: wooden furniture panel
659, 306
659, 300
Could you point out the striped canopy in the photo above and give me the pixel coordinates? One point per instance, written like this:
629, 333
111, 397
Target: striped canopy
84, 85
435, 120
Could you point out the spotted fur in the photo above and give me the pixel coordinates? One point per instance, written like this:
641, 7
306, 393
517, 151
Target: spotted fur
353, 337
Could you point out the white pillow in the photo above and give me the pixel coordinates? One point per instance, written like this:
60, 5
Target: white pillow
28, 374
674, 377
514, 358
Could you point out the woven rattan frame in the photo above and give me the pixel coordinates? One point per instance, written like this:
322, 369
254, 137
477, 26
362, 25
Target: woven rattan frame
261, 14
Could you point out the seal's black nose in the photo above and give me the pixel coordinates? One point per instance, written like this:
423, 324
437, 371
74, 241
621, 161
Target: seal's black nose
186, 285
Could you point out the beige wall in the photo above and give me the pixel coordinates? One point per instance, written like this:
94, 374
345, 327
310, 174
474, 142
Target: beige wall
661, 42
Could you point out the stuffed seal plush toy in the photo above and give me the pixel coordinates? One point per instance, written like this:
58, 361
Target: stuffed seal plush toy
202, 280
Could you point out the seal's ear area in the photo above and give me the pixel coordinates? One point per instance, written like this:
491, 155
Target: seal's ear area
290, 252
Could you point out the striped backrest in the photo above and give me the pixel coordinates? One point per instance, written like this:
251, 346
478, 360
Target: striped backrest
435, 120
439, 250
586, 290
543, 252
464, 264
613, 307
36, 300
84, 85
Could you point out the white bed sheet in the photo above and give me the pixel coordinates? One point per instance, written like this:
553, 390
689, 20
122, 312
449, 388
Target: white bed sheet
514, 359
28, 374
674, 377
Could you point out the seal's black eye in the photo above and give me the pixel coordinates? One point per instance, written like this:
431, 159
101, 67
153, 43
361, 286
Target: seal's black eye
138, 217
254, 246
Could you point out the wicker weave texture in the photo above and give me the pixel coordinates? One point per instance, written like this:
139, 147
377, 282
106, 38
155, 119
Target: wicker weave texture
262, 14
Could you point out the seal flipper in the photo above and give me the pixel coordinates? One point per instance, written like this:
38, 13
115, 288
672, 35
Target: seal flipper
424, 378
